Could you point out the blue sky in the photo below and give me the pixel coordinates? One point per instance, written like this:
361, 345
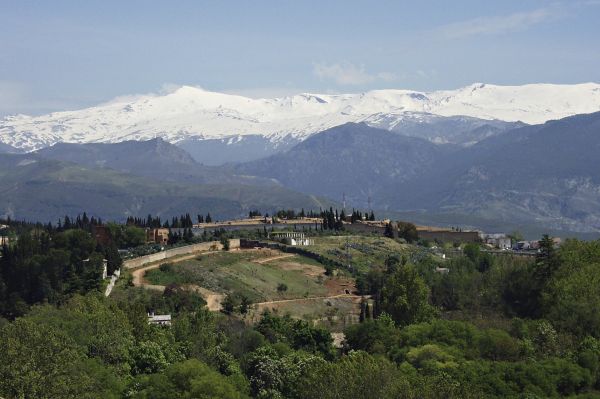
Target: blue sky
57, 55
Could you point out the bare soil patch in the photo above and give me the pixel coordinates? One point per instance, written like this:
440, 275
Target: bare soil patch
307, 270
340, 286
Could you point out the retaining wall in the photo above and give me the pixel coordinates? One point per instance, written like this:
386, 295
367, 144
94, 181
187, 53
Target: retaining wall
169, 253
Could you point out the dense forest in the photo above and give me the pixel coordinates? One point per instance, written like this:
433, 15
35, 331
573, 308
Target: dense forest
494, 326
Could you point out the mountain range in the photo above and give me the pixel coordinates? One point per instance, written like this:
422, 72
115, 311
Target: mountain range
39, 189
155, 158
546, 175
497, 156
193, 113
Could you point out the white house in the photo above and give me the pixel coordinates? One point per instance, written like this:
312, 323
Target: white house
159, 319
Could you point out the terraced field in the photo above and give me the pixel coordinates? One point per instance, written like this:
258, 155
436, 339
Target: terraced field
364, 251
256, 274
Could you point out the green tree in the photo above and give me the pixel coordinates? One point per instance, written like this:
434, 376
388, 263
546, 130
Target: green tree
40, 361
282, 287
244, 304
408, 231
405, 296
571, 297
389, 231
189, 379
356, 376
225, 242
229, 304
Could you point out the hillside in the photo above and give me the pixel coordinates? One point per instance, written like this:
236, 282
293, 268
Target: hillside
543, 176
7, 149
547, 174
34, 188
354, 159
155, 158
462, 130
190, 112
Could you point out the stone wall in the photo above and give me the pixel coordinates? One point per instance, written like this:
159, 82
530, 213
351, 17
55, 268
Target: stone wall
449, 236
234, 243
364, 228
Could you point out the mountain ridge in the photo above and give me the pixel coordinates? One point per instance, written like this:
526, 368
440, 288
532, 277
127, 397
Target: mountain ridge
547, 175
190, 112
39, 189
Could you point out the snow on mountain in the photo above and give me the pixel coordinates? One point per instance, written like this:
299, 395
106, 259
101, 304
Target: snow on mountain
190, 112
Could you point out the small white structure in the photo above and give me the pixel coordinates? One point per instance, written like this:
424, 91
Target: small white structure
159, 319
104, 269
442, 270
291, 238
113, 280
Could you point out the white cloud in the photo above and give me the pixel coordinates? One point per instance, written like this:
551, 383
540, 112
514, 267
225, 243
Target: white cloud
349, 74
500, 24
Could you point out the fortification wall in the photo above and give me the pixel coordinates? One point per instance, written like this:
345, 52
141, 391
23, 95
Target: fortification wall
234, 243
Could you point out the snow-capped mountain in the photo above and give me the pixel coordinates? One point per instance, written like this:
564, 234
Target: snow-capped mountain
192, 113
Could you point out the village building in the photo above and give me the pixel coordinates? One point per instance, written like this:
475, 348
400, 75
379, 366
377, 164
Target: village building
159, 319
101, 234
497, 240
4, 240
293, 238
157, 236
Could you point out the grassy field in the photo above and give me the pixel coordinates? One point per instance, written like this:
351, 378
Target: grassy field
364, 251
335, 314
242, 272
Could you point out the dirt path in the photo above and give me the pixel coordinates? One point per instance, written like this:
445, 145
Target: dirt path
261, 261
139, 280
138, 274
214, 299
310, 298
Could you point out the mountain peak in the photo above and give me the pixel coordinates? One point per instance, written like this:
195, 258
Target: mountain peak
191, 111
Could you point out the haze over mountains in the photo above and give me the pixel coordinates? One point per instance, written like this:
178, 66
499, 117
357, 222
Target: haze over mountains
487, 153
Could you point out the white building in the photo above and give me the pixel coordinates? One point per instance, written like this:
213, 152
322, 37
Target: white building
159, 319
291, 238
499, 240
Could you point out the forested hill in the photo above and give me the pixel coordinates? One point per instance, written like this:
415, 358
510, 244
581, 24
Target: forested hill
35, 188
492, 326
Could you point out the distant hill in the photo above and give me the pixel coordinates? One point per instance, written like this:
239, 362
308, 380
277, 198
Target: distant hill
548, 174
35, 188
545, 175
153, 158
234, 149
354, 159
461, 130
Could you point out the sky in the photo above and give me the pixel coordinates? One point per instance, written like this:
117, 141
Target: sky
58, 55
